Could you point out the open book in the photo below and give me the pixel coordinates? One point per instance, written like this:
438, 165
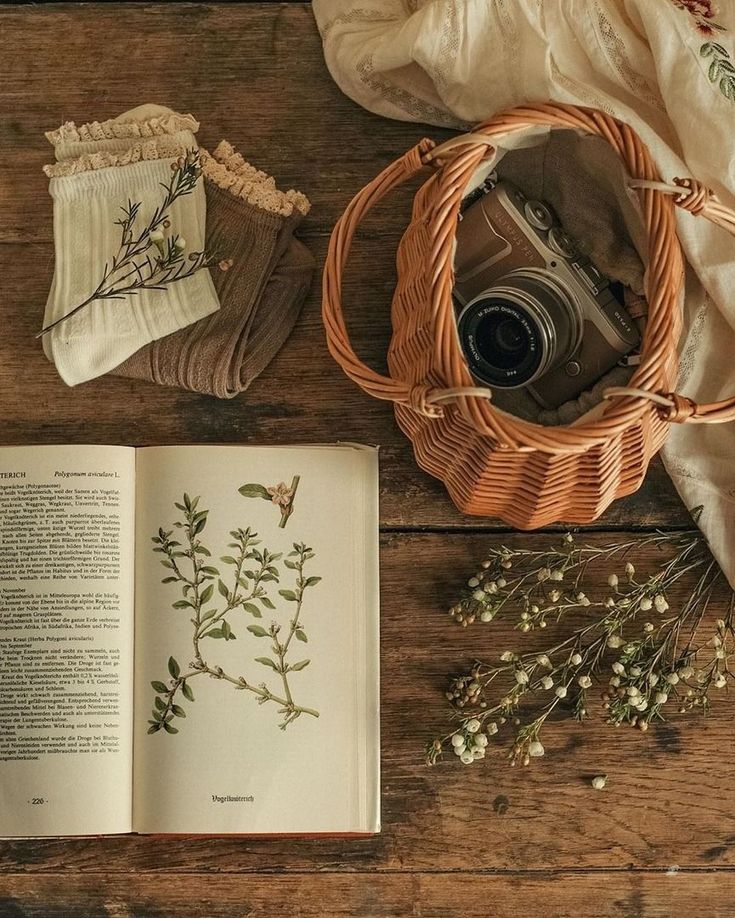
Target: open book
188, 640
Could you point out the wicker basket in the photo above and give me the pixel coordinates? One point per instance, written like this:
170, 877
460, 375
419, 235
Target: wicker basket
491, 462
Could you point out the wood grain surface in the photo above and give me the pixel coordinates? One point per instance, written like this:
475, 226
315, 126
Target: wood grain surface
477, 841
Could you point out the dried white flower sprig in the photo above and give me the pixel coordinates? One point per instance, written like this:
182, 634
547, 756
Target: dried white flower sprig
152, 258
644, 654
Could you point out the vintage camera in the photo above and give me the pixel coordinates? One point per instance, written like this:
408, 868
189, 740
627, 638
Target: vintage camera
532, 311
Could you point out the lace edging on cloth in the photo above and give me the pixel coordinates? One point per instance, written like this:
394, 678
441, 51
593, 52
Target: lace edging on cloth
156, 148
246, 182
112, 129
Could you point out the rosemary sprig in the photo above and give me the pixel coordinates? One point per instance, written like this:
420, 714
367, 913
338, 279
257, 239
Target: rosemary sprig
148, 260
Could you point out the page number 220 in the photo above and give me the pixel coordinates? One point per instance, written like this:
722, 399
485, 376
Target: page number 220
38, 801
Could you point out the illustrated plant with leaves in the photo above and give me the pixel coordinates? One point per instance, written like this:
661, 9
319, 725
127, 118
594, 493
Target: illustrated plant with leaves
214, 600
280, 495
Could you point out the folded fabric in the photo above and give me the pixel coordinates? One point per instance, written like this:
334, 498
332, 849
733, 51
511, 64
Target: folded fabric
102, 167
263, 278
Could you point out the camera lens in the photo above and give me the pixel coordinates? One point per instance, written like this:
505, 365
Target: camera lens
503, 339
519, 329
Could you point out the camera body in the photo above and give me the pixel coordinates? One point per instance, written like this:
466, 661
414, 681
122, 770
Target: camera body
532, 311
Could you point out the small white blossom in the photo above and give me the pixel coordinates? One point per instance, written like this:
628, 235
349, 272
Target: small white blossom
478, 753
614, 641
641, 704
660, 697
535, 609
479, 595
557, 575
180, 243
612, 581
467, 758
156, 237
543, 574
457, 739
633, 691
584, 681
660, 603
473, 582
547, 682
561, 691
610, 602
576, 659
506, 656
629, 570
525, 616
720, 653
491, 587
716, 641
672, 678
599, 781
615, 681
555, 595
501, 582
646, 604
648, 627
686, 672
492, 729
635, 671
653, 678
720, 624
535, 749
543, 660
618, 668
720, 680
480, 740
486, 615
521, 677
472, 726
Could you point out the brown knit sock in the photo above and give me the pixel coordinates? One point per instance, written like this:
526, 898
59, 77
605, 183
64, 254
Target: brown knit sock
252, 223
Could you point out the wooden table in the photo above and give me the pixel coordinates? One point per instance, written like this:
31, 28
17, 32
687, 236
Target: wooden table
480, 841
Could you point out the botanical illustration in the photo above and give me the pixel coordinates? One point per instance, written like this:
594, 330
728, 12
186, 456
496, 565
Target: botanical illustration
217, 599
280, 495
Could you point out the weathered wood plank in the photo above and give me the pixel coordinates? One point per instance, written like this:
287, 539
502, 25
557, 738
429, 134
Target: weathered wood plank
670, 798
630, 895
302, 397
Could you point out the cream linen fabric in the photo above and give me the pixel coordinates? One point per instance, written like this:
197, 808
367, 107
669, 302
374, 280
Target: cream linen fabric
647, 62
86, 205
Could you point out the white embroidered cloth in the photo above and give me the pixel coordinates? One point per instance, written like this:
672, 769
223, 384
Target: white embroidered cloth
666, 67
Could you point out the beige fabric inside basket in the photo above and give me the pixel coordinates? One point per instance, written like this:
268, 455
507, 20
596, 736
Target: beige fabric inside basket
584, 181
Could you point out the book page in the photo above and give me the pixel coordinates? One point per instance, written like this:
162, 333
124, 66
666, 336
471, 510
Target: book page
66, 639
256, 699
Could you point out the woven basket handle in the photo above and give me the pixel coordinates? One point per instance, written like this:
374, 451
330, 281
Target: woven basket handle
421, 397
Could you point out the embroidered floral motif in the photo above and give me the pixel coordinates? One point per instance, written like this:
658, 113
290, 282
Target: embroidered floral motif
721, 70
704, 12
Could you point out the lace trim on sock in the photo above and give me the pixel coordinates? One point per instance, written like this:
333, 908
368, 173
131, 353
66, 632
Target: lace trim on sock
112, 129
157, 148
229, 170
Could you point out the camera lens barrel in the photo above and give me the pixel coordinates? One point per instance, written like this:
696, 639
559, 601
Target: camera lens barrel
519, 329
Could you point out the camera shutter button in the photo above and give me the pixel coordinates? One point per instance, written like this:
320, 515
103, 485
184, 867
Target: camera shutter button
538, 215
561, 243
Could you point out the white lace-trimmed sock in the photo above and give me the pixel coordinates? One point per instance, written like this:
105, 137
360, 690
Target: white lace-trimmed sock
88, 193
